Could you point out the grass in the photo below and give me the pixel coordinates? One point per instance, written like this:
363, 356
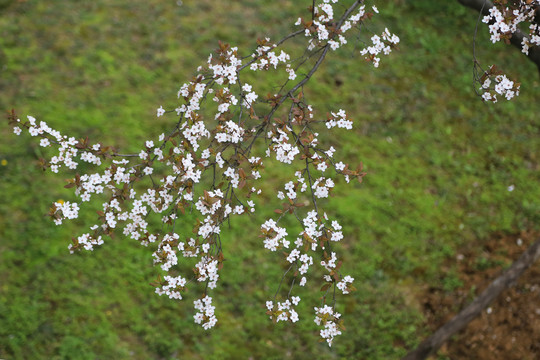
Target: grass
439, 164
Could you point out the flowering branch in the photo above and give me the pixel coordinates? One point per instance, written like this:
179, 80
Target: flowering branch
209, 164
518, 38
504, 20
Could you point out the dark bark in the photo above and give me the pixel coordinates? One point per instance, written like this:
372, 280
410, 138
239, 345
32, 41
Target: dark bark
508, 278
517, 37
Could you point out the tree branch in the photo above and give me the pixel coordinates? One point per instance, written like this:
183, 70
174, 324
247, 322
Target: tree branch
461, 320
517, 37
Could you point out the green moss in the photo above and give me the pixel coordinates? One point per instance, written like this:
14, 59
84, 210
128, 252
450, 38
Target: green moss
439, 165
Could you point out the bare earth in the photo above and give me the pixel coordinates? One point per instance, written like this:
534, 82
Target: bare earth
510, 327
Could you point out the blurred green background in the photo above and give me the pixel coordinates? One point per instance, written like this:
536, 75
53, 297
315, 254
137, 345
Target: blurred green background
439, 165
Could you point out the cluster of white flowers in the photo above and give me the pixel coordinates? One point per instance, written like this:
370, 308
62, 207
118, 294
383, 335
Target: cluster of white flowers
87, 242
193, 92
504, 20
290, 188
322, 187
267, 58
66, 210
329, 264
495, 83
67, 151
231, 132
166, 252
499, 25
172, 287
250, 96
89, 157
284, 311
342, 285
326, 317
340, 120
380, 44
285, 152
207, 270
315, 232
304, 259
532, 40
312, 230
225, 101
226, 71
264, 58
205, 312
195, 133
274, 236
290, 71
189, 248
323, 29
210, 202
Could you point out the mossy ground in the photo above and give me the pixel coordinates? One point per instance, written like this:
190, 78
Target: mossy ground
439, 165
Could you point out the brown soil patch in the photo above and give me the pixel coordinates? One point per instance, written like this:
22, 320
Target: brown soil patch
510, 327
